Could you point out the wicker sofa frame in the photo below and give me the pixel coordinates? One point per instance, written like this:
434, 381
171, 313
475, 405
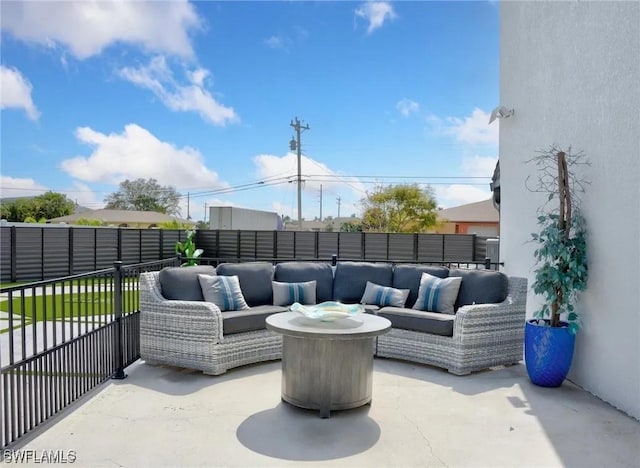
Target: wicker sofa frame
189, 334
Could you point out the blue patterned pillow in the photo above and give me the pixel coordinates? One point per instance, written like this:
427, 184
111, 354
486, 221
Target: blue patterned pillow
223, 291
285, 294
384, 296
437, 294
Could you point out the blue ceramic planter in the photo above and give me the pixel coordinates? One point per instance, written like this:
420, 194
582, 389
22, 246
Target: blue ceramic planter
548, 353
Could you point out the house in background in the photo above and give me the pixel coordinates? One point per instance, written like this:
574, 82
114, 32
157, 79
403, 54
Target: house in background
571, 72
479, 218
122, 218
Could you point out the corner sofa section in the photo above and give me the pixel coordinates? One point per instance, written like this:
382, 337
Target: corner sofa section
178, 328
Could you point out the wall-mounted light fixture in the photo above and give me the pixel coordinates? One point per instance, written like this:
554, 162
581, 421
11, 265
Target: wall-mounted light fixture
500, 112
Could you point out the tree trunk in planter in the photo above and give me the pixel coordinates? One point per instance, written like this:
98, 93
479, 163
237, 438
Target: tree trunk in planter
548, 352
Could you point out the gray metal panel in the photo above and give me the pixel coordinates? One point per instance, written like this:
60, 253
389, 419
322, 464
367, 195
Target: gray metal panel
305, 245
84, 249
264, 244
351, 245
248, 244
284, 244
430, 247
28, 253
107, 247
5, 254
229, 247
130, 245
169, 239
401, 247
205, 239
327, 244
150, 244
375, 246
481, 248
56, 252
458, 248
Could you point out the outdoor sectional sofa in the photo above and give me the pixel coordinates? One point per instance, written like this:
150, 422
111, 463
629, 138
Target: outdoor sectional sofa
178, 327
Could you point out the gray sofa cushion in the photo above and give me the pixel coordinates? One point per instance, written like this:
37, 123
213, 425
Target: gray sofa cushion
417, 320
481, 286
239, 321
255, 280
296, 272
351, 279
408, 277
181, 283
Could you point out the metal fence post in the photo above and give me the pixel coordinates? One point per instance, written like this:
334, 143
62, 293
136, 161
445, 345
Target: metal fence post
117, 299
334, 260
487, 263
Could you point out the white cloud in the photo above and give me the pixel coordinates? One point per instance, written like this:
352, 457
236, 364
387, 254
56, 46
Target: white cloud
190, 97
376, 13
479, 166
136, 153
278, 42
18, 187
407, 107
15, 92
474, 129
314, 174
460, 194
83, 195
86, 28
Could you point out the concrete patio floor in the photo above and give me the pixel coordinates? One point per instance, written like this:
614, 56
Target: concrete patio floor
420, 416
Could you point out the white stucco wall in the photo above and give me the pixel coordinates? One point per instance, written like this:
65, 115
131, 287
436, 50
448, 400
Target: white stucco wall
571, 71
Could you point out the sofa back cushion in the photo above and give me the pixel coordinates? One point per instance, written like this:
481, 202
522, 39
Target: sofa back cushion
408, 277
181, 283
297, 272
351, 279
255, 280
480, 286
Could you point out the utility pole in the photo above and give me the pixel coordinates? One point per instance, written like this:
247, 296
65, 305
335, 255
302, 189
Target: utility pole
339, 200
188, 201
205, 212
295, 145
321, 202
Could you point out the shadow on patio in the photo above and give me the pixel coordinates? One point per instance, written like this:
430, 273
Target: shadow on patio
420, 416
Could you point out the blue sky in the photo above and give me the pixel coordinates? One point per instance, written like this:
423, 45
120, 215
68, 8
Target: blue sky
200, 95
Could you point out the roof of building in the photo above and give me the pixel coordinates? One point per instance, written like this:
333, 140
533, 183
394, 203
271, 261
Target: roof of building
478, 212
121, 217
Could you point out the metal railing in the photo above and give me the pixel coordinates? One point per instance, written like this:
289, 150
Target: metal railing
61, 338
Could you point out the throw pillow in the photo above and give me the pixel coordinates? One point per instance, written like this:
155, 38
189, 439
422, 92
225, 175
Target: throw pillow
437, 294
285, 294
223, 291
384, 296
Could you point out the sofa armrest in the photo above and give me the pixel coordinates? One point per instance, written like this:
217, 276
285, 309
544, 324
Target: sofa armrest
494, 322
201, 318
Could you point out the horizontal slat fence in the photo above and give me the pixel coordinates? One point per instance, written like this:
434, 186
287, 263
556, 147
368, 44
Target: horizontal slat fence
40, 253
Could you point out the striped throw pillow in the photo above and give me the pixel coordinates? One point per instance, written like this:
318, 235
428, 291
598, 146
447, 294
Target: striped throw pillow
285, 294
223, 291
384, 296
437, 294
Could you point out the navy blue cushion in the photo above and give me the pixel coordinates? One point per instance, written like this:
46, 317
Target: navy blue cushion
255, 280
408, 277
351, 279
181, 283
298, 272
481, 286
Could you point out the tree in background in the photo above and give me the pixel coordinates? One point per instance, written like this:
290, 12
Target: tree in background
46, 206
144, 195
399, 208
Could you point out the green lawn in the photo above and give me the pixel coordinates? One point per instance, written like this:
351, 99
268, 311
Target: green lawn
84, 304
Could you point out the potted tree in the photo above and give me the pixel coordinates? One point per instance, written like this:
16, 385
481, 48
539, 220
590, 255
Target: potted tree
561, 273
